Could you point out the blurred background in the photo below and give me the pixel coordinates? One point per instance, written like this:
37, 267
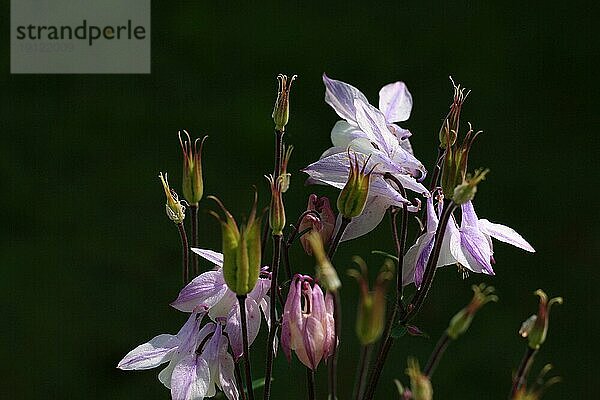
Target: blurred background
90, 262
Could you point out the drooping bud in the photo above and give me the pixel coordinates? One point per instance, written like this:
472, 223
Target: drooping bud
308, 325
283, 174
277, 210
241, 250
175, 210
535, 328
420, 384
459, 324
370, 318
451, 124
324, 225
193, 184
465, 192
326, 273
281, 110
353, 197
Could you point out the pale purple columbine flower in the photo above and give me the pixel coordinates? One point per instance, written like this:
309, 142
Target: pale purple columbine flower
197, 362
210, 290
308, 325
469, 245
372, 132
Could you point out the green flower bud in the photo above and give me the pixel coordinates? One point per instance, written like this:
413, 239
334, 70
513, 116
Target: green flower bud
285, 176
466, 191
241, 250
193, 185
353, 197
277, 210
536, 391
325, 272
449, 129
370, 319
281, 110
420, 384
535, 328
459, 324
175, 210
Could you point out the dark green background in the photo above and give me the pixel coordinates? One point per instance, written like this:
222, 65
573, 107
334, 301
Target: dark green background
90, 261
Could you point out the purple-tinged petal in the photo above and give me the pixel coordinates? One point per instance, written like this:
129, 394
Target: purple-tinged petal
223, 308
424, 252
469, 218
290, 315
340, 96
188, 334
234, 327
372, 122
204, 290
504, 234
314, 338
190, 379
158, 350
226, 374
432, 218
395, 102
451, 252
210, 255
476, 249
330, 338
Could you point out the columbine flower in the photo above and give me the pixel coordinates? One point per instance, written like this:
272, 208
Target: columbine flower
469, 246
324, 225
197, 363
369, 131
209, 290
308, 324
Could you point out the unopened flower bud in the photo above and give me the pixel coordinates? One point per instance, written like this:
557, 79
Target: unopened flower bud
370, 319
535, 328
420, 384
175, 210
465, 192
353, 197
324, 224
193, 185
241, 250
459, 324
277, 210
326, 273
281, 110
285, 176
308, 325
536, 391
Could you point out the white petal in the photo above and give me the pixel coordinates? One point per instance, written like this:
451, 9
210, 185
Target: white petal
190, 379
149, 355
372, 122
343, 133
395, 102
371, 217
340, 96
210, 255
504, 234
204, 290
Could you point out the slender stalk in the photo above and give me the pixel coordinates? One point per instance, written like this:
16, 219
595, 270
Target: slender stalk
337, 316
436, 355
338, 236
310, 384
238, 381
278, 152
277, 239
185, 269
522, 372
194, 243
418, 298
242, 302
361, 371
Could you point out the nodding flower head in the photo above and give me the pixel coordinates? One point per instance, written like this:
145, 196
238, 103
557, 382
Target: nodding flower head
241, 249
308, 324
353, 197
281, 110
535, 328
193, 185
323, 223
175, 210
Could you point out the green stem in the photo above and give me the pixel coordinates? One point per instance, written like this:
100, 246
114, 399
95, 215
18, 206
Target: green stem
194, 223
436, 355
522, 372
277, 239
310, 384
361, 371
